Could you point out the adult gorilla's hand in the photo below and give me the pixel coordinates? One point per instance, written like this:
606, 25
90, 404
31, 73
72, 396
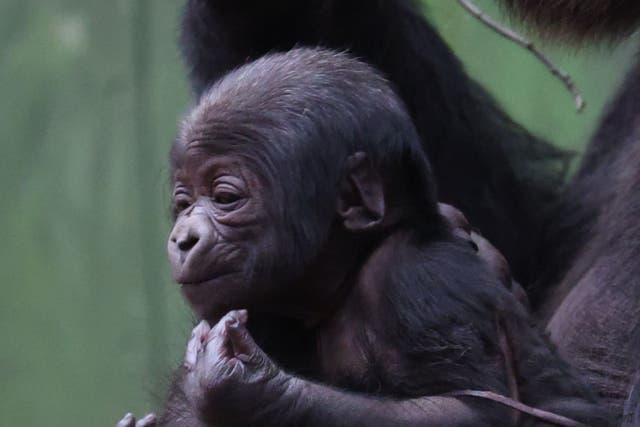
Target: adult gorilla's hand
494, 259
228, 375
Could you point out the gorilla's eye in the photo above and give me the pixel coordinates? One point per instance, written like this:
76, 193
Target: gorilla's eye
225, 198
226, 195
181, 201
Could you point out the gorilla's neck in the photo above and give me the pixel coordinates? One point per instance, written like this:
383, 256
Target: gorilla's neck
327, 280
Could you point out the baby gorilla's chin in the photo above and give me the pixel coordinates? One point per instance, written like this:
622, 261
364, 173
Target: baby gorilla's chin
212, 299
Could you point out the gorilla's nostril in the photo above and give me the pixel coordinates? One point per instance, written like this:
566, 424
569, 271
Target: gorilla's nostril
187, 243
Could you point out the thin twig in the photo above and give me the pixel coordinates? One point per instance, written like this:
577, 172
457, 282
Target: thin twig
547, 416
527, 44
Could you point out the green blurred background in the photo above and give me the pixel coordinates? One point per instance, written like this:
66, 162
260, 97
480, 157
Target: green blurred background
91, 93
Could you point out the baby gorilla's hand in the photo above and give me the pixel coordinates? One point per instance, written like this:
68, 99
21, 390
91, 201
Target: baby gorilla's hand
130, 421
228, 376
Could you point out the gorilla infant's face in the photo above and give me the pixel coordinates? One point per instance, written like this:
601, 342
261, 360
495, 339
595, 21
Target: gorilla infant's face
221, 236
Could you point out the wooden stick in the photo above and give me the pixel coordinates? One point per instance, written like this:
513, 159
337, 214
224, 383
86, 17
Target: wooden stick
527, 44
547, 416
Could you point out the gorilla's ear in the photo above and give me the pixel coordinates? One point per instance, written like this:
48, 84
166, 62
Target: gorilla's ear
361, 203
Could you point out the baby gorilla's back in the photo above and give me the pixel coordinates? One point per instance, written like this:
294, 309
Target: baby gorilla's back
426, 318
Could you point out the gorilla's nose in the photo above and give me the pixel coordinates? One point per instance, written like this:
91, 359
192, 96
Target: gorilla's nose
189, 245
183, 240
186, 242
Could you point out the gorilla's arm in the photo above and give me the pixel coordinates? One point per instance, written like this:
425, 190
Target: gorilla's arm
227, 380
312, 404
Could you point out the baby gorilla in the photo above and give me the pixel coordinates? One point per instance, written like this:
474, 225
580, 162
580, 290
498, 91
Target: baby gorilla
302, 194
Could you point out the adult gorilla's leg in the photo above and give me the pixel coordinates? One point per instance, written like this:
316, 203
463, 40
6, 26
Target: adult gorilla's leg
594, 314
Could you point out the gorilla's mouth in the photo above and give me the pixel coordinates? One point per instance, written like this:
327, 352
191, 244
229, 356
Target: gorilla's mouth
210, 280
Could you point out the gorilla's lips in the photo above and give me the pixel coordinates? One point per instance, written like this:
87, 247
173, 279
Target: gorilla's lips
211, 279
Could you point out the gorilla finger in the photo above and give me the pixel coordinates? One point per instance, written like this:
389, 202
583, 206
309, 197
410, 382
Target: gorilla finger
219, 328
196, 344
149, 420
459, 232
216, 345
191, 355
127, 421
454, 217
201, 331
493, 258
521, 295
244, 347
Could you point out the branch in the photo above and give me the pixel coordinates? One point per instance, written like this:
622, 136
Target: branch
527, 44
540, 414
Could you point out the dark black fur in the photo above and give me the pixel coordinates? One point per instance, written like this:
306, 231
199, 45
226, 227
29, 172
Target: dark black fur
429, 303
484, 163
579, 21
591, 290
590, 287
606, 169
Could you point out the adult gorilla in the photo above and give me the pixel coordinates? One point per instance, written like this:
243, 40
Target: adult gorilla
590, 291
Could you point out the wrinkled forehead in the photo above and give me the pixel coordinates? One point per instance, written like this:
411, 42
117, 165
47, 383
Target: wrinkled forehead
188, 154
260, 136
198, 168
197, 155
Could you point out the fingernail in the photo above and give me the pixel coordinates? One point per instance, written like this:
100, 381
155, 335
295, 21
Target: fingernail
244, 358
149, 417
